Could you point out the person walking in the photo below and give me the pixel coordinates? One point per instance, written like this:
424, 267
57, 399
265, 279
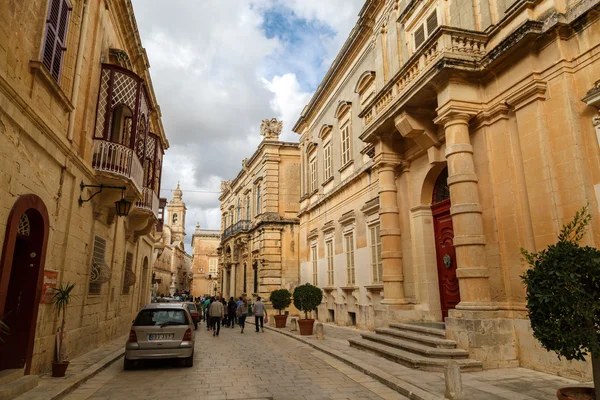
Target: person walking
241, 312
231, 312
205, 307
259, 311
216, 312
225, 318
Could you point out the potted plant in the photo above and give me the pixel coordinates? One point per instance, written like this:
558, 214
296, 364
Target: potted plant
281, 299
307, 298
61, 298
563, 299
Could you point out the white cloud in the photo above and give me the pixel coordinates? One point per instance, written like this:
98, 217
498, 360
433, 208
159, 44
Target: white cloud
288, 102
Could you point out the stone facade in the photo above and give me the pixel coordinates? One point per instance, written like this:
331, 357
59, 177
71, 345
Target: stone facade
442, 140
57, 137
205, 265
172, 268
259, 225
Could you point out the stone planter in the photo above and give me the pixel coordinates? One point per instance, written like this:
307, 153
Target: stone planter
306, 326
575, 393
280, 321
59, 369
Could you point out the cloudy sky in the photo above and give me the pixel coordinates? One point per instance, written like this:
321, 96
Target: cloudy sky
219, 67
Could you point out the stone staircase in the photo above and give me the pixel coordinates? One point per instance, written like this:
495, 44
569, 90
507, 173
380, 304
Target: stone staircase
13, 383
416, 345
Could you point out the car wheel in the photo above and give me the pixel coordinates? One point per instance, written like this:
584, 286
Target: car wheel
189, 362
127, 364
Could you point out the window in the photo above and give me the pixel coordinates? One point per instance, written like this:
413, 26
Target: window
239, 210
375, 244
55, 40
248, 207
212, 267
231, 217
313, 174
99, 267
346, 151
327, 167
256, 278
329, 256
127, 273
350, 273
258, 199
426, 29
175, 218
315, 272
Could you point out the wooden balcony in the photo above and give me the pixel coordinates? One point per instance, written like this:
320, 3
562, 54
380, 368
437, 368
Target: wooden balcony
115, 160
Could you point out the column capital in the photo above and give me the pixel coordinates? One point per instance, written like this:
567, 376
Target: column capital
456, 112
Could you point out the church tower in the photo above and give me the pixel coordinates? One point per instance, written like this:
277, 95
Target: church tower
176, 209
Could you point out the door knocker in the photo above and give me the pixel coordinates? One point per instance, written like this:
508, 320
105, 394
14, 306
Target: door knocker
448, 261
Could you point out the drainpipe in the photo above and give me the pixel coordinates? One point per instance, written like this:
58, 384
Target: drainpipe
78, 66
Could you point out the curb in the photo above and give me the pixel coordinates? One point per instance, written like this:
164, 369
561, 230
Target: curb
87, 374
407, 389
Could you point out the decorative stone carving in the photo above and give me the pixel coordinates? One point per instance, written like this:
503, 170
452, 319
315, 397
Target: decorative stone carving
270, 129
225, 186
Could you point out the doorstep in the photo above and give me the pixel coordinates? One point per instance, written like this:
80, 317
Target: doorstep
80, 370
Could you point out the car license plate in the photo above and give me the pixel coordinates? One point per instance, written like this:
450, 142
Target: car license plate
164, 336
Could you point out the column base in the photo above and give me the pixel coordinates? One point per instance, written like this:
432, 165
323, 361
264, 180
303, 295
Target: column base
464, 305
394, 302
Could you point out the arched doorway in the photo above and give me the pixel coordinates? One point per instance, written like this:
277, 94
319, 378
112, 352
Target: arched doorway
444, 244
21, 279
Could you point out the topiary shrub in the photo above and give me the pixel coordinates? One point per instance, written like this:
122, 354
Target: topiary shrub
307, 298
563, 295
281, 299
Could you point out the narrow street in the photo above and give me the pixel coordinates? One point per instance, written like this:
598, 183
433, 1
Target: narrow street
235, 366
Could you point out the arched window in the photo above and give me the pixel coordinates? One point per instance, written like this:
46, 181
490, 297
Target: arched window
441, 191
120, 129
175, 218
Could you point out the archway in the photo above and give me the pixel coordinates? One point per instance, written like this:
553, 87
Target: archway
21, 279
444, 244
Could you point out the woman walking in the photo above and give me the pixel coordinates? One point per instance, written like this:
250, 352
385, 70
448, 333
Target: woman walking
242, 310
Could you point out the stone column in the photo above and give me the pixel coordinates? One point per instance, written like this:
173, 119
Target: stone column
391, 251
469, 240
232, 281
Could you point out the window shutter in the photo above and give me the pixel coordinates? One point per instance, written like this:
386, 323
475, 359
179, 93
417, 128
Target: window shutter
419, 36
98, 257
56, 36
432, 22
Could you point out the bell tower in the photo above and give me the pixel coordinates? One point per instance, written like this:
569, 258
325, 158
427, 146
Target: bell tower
176, 209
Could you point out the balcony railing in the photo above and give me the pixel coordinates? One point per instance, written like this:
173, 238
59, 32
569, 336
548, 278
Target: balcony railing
240, 226
149, 201
117, 159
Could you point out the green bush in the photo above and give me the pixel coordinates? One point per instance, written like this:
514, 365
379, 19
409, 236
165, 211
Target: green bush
281, 299
563, 293
307, 298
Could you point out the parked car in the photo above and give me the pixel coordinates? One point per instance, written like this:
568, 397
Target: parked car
161, 331
193, 312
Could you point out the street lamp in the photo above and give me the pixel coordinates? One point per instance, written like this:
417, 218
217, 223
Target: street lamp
123, 206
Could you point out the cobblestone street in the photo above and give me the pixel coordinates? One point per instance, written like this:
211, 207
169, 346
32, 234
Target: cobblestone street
235, 366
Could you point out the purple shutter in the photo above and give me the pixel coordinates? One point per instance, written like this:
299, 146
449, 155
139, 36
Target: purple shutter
55, 41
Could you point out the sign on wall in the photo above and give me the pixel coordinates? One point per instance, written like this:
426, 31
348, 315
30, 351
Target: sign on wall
50, 282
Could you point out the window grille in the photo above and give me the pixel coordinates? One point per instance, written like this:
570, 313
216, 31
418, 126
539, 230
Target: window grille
315, 272
329, 250
97, 277
55, 40
350, 272
441, 191
376, 263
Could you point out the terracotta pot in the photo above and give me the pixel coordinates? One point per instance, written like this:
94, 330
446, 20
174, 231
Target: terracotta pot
306, 326
280, 321
576, 393
59, 369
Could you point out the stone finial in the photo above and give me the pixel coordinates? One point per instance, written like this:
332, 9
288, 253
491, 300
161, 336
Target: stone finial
293, 324
270, 129
454, 389
177, 193
320, 331
225, 185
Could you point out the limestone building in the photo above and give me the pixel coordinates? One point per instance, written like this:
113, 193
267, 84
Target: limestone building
77, 108
172, 269
205, 262
259, 224
444, 138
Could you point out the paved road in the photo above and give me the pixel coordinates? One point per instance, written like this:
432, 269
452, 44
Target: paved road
238, 366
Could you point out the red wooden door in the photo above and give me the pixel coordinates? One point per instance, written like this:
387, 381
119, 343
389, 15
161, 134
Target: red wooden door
446, 256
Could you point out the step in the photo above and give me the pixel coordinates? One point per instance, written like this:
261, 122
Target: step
9, 375
436, 325
431, 341
16, 388
413, 360
424, 330
420, 349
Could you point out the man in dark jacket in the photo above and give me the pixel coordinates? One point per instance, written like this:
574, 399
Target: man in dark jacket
231, 311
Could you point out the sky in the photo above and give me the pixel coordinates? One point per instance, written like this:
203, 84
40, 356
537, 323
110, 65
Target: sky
219, 67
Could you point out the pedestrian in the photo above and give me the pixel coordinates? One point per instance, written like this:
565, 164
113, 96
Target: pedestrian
241, 312
231, 311
259, 311
225, 318
216, 312
205, 307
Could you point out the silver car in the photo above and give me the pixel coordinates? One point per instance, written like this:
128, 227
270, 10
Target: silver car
160, 331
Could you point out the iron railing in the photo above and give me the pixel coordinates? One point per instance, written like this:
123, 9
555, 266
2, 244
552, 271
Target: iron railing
118, 159
149, 201
240, 226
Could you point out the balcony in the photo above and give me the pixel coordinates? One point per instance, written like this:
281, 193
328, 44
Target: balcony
240, 226
149, 202
116, 159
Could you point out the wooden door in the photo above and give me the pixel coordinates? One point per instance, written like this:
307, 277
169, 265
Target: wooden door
445, 256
